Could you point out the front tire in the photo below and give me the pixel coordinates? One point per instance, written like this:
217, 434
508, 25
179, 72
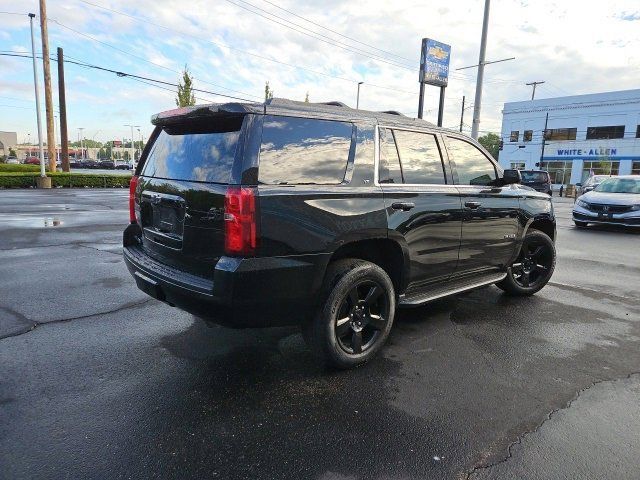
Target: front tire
534, 266
355, 316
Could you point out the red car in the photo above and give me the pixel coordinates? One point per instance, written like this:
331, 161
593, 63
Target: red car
32, 161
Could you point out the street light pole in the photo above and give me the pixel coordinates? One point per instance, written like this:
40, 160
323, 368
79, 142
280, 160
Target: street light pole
358, 96
475, 127
37, 90
81, 135
133, 150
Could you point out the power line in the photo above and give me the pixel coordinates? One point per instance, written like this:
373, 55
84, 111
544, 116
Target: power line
315, 35
337, 33
235, 49
144, 59
131, 75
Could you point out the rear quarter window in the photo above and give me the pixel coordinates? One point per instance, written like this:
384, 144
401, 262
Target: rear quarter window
303, 151
202, 152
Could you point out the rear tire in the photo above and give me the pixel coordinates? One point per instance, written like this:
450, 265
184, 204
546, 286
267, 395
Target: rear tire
580, 224
534, 266
355, 315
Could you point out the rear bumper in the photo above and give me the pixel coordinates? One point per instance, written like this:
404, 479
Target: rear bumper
244, 292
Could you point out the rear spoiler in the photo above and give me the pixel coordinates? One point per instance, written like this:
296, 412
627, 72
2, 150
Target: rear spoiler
197, 112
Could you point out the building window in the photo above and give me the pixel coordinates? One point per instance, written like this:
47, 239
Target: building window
603, 167
528, 135
598, 133
560, 134
559, 172
635, 168
517, 165
514, 135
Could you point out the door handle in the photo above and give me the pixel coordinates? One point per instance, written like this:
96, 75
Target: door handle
404, 206
472, 205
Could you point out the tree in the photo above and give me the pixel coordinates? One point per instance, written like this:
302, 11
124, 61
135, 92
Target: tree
306, 98
185, 96
12, 152
268, 93
102, 154
491, 142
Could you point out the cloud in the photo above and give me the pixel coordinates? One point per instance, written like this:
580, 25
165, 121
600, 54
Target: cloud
573, 49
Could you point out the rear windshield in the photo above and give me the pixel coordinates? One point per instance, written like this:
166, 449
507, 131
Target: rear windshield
303, 151
201, 152
534, 176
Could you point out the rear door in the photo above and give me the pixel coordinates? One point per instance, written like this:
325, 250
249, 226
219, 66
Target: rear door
490, 211
182, 189
423, 207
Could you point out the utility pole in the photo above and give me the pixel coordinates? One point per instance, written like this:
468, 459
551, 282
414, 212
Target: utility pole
483, 47
544, 140
48, 100
533, 94
43, 180
462, 114
358, 96
62, 102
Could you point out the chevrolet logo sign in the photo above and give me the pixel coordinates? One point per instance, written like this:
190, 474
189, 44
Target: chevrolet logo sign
438, 53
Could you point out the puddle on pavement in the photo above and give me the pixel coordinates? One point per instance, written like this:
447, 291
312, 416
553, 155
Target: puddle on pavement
32, 222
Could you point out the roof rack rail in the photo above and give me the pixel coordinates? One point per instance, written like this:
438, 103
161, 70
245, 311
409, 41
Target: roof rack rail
335, 103
394, 112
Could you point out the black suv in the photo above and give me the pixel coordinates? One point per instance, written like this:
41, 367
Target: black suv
254, 215
539, 180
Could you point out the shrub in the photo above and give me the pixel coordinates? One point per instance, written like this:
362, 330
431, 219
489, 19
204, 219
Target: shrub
60, 179
7, 167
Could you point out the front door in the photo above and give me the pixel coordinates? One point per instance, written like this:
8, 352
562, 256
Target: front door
490, 211
423, 206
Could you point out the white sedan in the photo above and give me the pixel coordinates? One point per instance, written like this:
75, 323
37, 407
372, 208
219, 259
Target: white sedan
615, 201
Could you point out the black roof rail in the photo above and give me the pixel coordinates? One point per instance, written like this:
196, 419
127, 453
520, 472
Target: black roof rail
394, 112
335, 103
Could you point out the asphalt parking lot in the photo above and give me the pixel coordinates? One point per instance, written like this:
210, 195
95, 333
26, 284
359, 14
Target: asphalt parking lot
99, 381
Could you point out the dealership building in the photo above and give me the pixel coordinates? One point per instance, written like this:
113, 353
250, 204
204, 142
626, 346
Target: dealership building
585, 135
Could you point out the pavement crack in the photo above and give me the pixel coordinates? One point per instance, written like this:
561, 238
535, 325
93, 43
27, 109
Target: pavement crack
470, 474
36, 323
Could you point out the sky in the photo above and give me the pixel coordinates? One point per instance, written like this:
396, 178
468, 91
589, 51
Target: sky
321, 47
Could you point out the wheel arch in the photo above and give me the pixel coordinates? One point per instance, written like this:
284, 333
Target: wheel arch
387, 253
543, 223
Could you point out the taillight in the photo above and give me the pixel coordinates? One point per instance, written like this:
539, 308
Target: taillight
241, 236
133, 184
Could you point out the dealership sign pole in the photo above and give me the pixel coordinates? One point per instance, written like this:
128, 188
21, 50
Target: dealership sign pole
434, 70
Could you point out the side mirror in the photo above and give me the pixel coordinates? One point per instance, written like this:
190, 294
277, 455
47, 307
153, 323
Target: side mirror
511, 176
578, 184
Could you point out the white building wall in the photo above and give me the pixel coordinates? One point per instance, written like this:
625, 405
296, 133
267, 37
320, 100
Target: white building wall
580, 112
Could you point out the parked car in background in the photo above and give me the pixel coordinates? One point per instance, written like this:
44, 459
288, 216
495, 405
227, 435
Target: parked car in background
107, 164
75, 163
12, 160
614, 201
590, 183
123, 165
319, 215
32, 161
539, 180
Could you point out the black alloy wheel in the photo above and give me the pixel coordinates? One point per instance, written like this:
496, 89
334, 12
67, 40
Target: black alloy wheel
355, 313
361, 317
534, 266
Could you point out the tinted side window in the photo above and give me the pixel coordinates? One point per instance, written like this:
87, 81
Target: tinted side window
303, 151
199, 152
472, 165
419, 157
389, 171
